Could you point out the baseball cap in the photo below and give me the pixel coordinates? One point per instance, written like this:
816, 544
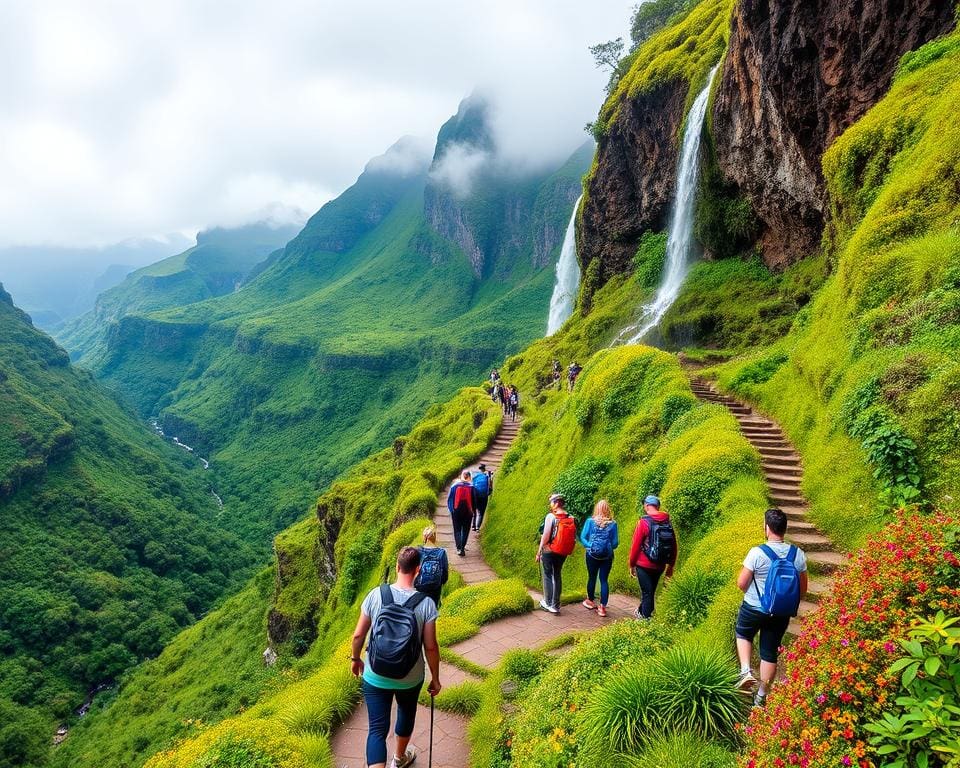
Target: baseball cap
556, 497
652, 500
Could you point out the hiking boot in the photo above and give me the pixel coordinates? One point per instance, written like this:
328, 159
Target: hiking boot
746, 680
589, 604
759, 700
601, 610
408, 759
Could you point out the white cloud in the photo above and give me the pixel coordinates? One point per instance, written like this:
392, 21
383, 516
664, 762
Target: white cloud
133, 119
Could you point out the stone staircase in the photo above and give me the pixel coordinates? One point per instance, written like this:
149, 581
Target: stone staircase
783, 472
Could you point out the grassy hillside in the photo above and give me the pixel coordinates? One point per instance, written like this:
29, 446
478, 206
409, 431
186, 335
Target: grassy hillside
110, 539
368, 316
220, 262
327, 563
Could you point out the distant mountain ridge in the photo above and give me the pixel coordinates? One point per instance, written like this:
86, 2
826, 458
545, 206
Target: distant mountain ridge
375, 310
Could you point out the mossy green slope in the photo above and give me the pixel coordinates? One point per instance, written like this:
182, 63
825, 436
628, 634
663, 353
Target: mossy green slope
110, 542
866, 381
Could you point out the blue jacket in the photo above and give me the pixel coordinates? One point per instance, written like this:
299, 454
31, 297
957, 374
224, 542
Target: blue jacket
586, 533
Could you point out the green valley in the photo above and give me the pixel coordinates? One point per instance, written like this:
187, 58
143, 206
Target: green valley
110, 539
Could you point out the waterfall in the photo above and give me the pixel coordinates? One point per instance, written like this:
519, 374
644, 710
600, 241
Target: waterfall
567, 282
680, 236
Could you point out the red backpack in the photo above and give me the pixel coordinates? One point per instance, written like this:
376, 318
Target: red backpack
463, 497
564, 534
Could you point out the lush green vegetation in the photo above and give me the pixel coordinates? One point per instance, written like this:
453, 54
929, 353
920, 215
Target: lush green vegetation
865, 383
110, 542
221, 261
367, 317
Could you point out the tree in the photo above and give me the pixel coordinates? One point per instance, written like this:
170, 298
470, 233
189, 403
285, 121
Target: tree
607, 55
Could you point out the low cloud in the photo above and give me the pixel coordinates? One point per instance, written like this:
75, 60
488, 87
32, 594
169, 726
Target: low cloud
129, 120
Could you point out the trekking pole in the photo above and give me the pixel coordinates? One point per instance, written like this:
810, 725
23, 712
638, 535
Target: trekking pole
430, 759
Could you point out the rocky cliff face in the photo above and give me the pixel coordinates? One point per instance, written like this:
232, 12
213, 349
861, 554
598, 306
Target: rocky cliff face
797, 74
632, 186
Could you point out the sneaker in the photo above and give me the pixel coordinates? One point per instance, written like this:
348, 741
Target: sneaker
543, 604
759, 700
746, 680
408, 759
601, 610
461, 553
552, 609
589, 605
639, 616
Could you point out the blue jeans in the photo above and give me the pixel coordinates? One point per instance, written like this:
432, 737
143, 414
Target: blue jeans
379, 702
599, 568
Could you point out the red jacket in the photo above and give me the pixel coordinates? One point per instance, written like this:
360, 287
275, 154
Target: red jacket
637, 556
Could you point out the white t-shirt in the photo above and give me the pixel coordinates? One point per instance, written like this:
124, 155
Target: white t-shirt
426, 613
759, 563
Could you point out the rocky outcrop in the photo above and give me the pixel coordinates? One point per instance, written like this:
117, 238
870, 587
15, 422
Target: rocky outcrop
797, 74
632, 186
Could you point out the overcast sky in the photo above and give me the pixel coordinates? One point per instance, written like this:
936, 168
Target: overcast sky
131, 119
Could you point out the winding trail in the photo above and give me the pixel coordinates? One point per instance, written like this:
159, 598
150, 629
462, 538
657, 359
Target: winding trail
528, 630
782, 471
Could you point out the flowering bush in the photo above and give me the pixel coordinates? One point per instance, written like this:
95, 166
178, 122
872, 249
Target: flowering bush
837, 677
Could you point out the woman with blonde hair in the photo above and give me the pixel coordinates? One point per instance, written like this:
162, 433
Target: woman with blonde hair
600, 538
434, 567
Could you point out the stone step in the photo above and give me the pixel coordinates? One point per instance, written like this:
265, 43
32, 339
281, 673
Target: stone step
778, 479
795, 512
781, 445
776, 452
825, 562
790, 469
801, 525
781, 499
810, 541
806, 608
762, 433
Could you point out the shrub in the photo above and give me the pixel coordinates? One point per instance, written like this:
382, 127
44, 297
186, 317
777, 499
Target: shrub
922, 728
689, 594
687, 689
759, 371
649, 258
683, 749
837, 670
579, 484
463, 699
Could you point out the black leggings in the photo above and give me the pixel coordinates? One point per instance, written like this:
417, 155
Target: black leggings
648, 579
462, 518
481, 510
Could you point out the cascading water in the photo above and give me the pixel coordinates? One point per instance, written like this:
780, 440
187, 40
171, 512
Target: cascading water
680, 236
567, 283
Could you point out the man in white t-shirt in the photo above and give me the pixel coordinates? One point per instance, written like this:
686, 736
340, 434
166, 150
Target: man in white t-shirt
751, 619
380, 691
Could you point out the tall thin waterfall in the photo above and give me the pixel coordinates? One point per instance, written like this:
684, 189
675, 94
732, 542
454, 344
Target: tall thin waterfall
567, 282
680, 236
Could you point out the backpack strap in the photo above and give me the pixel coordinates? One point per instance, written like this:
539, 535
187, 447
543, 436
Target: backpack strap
386, 595
792, 554
768, 551
414, 600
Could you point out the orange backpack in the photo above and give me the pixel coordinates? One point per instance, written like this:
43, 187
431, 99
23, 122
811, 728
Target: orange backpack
564, 534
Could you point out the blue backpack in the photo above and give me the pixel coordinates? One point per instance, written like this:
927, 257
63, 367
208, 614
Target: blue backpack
601, 542
430, 578
482, 483
781, 590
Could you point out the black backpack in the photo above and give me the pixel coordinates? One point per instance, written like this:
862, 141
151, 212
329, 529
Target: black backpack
394, 645
661, 543
430, 578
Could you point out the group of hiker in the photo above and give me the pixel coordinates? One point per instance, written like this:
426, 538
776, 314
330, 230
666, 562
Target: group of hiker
573, 370
398, 621
506, 394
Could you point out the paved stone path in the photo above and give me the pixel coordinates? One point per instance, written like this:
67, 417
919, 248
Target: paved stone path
782, 470
529, 630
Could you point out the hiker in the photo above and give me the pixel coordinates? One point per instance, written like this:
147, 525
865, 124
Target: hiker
557, 373
773, 581
434, 566
401, 624
514, 402
501, 395
494, 377
483, 485
556, 543
600, 538
462, 501
653, 553
572, 372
